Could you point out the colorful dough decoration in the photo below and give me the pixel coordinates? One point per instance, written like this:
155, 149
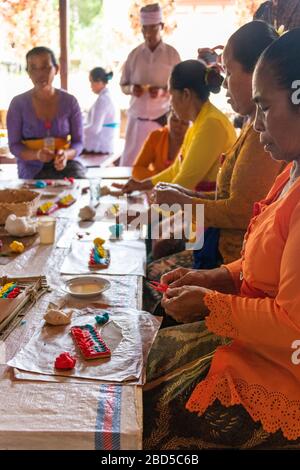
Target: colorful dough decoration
9, 291
89, 342
99, 256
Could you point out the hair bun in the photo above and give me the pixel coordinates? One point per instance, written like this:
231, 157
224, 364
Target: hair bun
213, 79
109, 75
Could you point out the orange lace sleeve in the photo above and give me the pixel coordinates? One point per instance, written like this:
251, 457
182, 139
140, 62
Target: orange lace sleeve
220, 318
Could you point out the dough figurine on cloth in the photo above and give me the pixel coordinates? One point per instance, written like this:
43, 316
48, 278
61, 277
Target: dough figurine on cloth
89, 342
99, 256
54, 316
87, 213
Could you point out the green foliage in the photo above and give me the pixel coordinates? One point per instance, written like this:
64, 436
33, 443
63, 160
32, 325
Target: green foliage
84, 15
87, 10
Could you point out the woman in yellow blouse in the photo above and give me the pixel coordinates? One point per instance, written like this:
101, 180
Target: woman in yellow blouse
210, 135
160, 149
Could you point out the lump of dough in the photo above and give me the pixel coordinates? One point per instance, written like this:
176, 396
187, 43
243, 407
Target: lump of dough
58, 317
20, 226
87, 213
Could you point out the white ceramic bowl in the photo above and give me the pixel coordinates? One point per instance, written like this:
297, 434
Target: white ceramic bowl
86, 286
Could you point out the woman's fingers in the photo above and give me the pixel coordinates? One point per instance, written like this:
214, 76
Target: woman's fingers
118, 185
185, 280
171, 293
172, 276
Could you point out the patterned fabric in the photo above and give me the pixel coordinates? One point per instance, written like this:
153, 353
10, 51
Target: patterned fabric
287, 13
180, 358
108, 422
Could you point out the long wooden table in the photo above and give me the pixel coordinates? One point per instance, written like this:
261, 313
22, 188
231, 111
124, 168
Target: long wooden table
47, 415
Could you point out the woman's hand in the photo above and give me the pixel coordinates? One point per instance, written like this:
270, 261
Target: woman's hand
170, 195
218, 279
209, 56
45, 155
188, 277
170, 185
200, 278
61, 160
129, 187
174, 275
185, 304
187, 192
154, 91
133, 185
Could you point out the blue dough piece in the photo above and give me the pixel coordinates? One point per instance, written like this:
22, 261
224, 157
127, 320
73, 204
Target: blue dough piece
116, 230
102, 319
40, 184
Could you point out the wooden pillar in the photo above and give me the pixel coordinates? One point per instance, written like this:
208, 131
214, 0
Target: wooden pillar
64, 42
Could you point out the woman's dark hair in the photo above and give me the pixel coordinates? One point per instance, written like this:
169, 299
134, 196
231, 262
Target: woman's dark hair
282, 58
42, 50
249, 41
194, 75
98, 74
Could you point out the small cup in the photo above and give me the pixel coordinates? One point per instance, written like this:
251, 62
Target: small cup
46, 229
116, 230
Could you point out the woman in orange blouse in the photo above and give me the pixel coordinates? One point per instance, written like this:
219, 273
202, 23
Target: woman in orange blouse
245, 394
160, 149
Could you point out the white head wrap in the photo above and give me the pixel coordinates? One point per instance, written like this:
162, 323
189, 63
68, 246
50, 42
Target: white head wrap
151, 14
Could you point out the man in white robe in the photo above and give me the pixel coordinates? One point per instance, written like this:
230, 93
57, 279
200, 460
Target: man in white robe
145, 77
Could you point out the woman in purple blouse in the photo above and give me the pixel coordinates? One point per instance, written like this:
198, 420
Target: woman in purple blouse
44, 124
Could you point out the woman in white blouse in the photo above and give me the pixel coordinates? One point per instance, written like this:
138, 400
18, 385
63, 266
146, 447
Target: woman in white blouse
102, 124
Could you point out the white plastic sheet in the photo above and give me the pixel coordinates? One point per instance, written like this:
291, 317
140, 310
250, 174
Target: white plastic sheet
127, 258
129, 334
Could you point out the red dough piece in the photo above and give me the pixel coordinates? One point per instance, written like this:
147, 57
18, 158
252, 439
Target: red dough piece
90, 343
14, 293
65, 361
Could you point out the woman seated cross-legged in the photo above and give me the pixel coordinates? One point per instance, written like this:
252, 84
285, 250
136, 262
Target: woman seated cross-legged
101, 127
230, 376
